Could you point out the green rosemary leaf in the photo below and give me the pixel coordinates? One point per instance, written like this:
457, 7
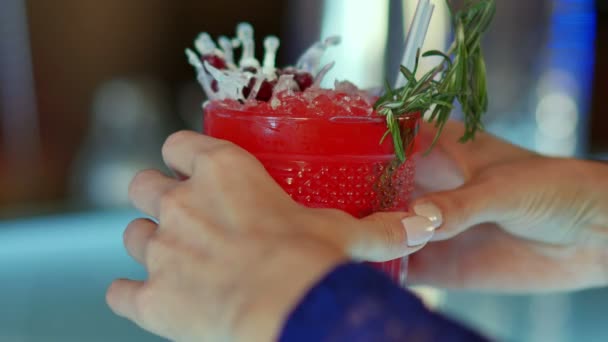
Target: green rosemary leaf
482, 86
387, 96
388, 89
398, 142
473, 9
384, 136
488, 15
438, 53
444, 104
439, 125
461, 77
406, 94
409, 76
416, 62
393, 105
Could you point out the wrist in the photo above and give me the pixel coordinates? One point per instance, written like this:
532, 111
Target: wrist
300, 268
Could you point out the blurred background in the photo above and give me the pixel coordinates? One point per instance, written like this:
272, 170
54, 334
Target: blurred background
90, 89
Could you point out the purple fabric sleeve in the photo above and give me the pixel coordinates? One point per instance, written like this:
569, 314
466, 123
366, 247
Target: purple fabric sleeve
357, 303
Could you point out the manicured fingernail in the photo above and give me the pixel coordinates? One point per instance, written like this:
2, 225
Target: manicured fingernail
431, 212
419, 230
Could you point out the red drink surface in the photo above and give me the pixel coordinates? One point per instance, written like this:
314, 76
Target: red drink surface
325, 156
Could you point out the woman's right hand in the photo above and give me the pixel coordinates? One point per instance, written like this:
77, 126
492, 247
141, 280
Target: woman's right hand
510, 220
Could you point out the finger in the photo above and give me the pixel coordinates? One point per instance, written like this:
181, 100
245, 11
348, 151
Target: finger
473, 155
181, 148
453, 212
437, 171
387, 236
491, 259
147, 188
475, 259
121, 298
136, 238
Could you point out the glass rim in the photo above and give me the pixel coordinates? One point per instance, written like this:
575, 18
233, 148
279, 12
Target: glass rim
237, 113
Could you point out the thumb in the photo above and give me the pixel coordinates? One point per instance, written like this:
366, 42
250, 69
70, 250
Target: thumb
455, 211
388, 236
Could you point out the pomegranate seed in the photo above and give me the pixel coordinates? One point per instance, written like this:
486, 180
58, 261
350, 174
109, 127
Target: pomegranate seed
215, 61
247, 89
265, 92
304, 80
214, 86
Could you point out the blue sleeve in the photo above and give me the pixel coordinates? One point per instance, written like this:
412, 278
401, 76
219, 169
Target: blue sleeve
357, 303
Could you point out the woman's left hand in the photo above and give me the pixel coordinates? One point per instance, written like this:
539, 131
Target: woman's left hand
232, 253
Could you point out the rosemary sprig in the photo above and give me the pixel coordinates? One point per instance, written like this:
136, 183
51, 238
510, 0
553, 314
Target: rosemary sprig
462, 77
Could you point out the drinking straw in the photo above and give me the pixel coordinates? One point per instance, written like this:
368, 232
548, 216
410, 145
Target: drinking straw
415, 37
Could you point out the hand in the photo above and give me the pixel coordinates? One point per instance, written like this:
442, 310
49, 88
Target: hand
232, 254
511, 220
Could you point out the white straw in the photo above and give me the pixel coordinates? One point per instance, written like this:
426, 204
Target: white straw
415, 37
410, 41
426, 23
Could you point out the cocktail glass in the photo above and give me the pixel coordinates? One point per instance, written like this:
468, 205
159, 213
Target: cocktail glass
325, 161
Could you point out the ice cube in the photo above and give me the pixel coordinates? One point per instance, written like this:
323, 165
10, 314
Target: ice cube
292, 104
286, 83
346, 87
275, 103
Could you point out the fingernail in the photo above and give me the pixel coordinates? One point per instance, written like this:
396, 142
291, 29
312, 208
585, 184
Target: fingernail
431, 212
419, 230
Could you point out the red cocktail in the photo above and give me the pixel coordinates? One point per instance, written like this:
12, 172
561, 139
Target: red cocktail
324, 147
324, 155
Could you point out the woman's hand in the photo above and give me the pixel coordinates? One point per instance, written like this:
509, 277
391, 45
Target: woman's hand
511, 220
232, 253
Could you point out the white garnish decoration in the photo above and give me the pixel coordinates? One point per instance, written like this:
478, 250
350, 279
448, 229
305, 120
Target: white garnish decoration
244, 32
322, 74
193, 60
205, 45
203, 79
271, 45
311, 59
226, 45
259, 79
230, 83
